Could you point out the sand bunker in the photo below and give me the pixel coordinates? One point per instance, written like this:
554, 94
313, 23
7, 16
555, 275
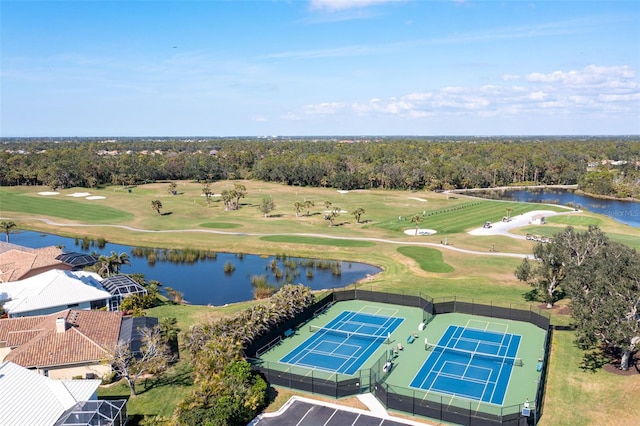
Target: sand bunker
417, 199
48, 193
342, 191
96, 197
79, 194
420, 231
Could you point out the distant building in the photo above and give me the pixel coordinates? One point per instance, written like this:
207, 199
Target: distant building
538, 220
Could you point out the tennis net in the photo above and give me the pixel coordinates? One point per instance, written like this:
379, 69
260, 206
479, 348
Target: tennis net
348, 334
478, 355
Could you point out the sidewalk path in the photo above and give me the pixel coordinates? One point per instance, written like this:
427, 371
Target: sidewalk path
500, 228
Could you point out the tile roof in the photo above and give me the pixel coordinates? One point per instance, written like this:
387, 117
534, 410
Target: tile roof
88, 338
29, 398
17, 261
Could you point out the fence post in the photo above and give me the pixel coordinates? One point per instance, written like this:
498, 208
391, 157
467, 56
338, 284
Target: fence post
413, 402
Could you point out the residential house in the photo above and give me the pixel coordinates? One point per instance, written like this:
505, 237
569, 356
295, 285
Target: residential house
63, 345
18, 262
31, 399
70, 343
52, 291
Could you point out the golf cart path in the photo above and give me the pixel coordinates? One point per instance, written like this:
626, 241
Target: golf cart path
500, 228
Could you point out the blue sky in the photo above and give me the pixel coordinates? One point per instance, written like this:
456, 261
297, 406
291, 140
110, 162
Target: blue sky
319, 67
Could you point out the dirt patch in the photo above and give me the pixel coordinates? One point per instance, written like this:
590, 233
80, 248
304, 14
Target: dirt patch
555, 309
614, 367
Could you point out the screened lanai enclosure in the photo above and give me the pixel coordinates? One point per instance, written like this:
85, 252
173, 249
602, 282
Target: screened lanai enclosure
121, 286
95, 413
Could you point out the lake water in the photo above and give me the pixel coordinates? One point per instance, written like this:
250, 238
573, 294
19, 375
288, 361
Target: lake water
205, 282
627, 212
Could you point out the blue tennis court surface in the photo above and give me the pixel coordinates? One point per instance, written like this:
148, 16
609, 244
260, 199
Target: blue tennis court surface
470, 363
345, 343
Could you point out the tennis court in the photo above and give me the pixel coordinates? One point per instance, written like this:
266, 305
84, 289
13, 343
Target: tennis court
469, 362
345, 343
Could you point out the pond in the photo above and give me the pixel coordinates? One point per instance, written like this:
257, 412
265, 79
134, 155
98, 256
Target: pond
623, 211
205, 282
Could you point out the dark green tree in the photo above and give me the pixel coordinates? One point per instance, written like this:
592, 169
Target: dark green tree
546, 273
603, 281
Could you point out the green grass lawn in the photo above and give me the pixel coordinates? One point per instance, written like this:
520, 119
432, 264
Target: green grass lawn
429, 259
317, 241
462, 215
411, 264
577, 397
155, 396
84, 211
220, 225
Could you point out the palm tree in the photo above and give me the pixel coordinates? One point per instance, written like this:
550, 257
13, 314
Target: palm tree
172, 188
239, 191
417, 219
206, 190
333, 215
307, 205
227, 199
116, 261
509, 210
357, 213
6, 226
105, 266
156, 205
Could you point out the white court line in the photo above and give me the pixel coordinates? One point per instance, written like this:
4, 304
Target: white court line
377, 311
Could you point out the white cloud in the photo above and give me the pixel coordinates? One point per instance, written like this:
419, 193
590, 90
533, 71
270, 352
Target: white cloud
537, 96
337, 5
324, 108
593, 90
590, 75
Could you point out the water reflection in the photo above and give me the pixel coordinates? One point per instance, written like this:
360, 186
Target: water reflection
203, 279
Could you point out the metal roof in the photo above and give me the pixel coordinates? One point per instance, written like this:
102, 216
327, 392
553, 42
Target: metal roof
52, 289
130, 330
29, 398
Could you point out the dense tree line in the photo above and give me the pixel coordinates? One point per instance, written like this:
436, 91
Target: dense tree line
226, 390
602, 278
398, 163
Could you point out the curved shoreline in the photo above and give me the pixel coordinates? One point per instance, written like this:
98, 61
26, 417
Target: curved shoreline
543, 187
